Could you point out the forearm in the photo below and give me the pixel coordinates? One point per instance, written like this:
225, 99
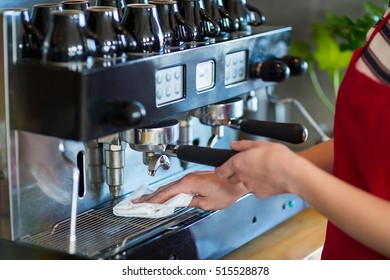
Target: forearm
320, 155
361, 215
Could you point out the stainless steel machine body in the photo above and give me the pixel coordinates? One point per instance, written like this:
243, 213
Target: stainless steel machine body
65, 157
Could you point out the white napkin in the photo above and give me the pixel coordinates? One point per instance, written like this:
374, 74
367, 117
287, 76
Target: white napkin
127, 208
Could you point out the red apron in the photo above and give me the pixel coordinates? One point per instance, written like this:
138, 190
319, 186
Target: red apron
361, 148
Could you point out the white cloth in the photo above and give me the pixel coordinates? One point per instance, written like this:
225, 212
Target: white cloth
127, 208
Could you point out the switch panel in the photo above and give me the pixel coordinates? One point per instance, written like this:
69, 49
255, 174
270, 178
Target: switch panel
205, 75
235, 67
169, 85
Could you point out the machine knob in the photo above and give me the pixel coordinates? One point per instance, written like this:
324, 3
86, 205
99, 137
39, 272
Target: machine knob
123, 113
271, 70
298, 66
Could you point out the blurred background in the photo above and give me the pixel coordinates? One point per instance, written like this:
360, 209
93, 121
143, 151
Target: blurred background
300, 15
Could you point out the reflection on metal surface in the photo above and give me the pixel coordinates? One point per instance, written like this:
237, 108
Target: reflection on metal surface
76, 182
99, 232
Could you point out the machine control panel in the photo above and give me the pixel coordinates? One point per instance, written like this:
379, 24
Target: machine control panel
169, 85
235, 67
205, 75
176, 81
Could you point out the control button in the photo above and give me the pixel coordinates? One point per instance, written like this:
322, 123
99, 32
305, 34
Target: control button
171, 85
241, 72
234, 74
159, 78
168, 76
168, 91
235, 67
177, 74
159, 93
205, 75
177, 89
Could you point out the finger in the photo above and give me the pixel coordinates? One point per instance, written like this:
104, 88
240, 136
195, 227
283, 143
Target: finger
195, 202
243, 145
202, 203
225, 171
143, 198
228, 169
147, 197
234, 180
168, 192
158, 197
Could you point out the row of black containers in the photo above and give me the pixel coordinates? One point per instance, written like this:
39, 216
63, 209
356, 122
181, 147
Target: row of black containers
74, 31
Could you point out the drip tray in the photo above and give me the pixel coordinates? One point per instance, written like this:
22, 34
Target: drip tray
101, 234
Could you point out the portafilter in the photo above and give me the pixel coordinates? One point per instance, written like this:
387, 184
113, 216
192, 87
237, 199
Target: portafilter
159, 140
229, 113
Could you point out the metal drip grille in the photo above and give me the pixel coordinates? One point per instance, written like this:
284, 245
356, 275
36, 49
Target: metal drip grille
99, 232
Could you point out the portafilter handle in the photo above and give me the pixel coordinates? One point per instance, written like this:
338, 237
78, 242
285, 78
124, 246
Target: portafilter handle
288, 132
200, 155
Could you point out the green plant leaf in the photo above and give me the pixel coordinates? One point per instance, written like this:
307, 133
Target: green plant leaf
301, 49
349, 34
328, 55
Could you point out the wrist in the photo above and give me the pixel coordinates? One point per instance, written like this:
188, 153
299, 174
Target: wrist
300, 171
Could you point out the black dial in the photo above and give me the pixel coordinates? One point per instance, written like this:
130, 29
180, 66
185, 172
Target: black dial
274, 70
298, 66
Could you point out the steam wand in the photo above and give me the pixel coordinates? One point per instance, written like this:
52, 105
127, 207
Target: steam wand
300, 109
73, 215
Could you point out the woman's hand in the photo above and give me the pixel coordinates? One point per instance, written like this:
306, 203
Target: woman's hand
210, 192
264, 168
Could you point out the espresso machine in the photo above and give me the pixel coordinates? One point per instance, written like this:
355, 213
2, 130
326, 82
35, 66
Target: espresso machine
78, 137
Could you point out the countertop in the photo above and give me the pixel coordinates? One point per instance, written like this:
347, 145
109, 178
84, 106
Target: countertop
300, 237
